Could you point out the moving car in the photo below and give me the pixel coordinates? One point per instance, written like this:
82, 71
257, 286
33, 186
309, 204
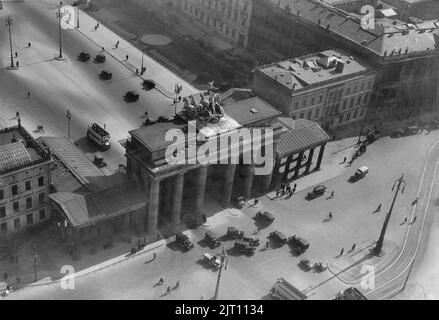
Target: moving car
234, 233
306, 264
318, 191
148, 84
84, 56
267, 216
211, 239
132, 96
299, 244
100, 58
279, 237
359, 174
183, 241
105, 75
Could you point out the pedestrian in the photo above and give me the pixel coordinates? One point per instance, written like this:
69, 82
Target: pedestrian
294, 188
17, 64
137, 71
17, 114
341, 252
117, 43
126, 57
96, 27
278, 192
161, 281
332, 194
415, 201
5, 275
103, 48
414, 220
28, 44
28, 95
344, 160
168, 290
267, 244
144, 240
405, 221
154, 255
330, 215
255, 203
353, 247
18, 279
16, 54
177, 284
379, 208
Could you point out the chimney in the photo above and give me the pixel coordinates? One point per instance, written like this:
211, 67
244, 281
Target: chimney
294, 86
339, 67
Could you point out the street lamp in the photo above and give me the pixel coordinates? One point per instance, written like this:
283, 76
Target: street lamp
177, 90
226, 260
59, 14
69, 118
8, 24
35, 265
399, 183
142, 68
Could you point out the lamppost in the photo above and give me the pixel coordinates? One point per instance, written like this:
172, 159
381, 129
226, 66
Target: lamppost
142, 68
59, 14
226, 260
361, 132
35, 265
8, 24
177, 90
69, 118
399, 183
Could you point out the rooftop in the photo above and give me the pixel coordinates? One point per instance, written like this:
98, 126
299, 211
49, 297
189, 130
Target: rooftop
348, 26
305, 71
18, 149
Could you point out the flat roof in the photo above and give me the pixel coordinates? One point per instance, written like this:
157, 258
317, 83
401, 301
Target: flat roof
302, 72
348, 26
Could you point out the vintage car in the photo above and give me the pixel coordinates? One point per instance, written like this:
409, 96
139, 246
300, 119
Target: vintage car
306, 264
105, 75
244, 247
183, 241
234, 233
360, 173
148, 84
299, 244
100, 58
279, 237
84, 56
132, 96
317, 191
213, 261
267, 216
254, 242
212, 239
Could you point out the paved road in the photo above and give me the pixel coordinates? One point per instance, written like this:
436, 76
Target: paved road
56, 86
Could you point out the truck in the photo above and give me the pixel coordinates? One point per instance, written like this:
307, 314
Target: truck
99, 136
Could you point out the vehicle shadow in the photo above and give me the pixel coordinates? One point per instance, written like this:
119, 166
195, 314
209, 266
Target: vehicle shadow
205, 265
86, 146
174, 246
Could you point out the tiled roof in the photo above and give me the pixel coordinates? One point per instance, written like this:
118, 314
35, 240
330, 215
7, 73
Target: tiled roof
13, 155
301, 135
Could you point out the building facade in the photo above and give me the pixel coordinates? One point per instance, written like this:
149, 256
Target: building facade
25, 170
330, 87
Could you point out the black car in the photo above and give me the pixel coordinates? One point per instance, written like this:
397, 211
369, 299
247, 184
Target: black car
267, 216
183, 241
105, 75
397, 133
279, 237
317, 191
299, 244
148, 84
84, 56
132, 96
212, 239
244, 247
100, 58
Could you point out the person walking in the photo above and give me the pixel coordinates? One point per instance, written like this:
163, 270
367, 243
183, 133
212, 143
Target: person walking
126, 57
330, 215
161, 281
353, 247
96, 27
414, 220
332, 194
405, 221
344, 160
415, 201
168, 290
28, 95
154, 255
117, 43
341, 252
18, 279
267, 244
378, 209
28, 45
17, 64
16, 54
294, 188
177, 284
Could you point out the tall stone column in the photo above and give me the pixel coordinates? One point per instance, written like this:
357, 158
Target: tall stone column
229, 177
199, 190
248, 171
153, 207
177, 194
309, 162
319, 160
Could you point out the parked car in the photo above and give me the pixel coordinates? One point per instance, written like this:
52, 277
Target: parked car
183, 241
360, 173
317, 191
306, 264
434, 124
397, 133
279, 237
212, 261
100, 58
84, 56
319, 267
299, 244
411, 130
244, 247
105, 75
254, 242
149, 84
372, 137
234, 233
132, 96
211, 239
267, 216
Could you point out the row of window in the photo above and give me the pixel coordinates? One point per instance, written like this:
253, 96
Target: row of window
315, 114
334, 95
29, 221
28, 202
27, 187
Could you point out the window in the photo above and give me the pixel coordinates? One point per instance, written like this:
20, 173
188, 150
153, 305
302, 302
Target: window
351, 103
233, 33
355, 114
42, 214
2, 212
366, 96
348, 116
304, 103
2, 194
362, 86
301, 115
309, 115
345, 104
4, 227
30, 218
17, 223
358, 100
296, 104
316, 115
14, 190
369, 84
348, 90
16, 206
355, 89
28, 203
27, 185
320, 98
361, 112
312, 100
41, 181
41, 198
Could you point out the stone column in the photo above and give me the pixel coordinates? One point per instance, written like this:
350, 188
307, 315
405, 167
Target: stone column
153, 206
309, 162
248, 170
319, 160
229, 177
298, 164
199, 190
177, 194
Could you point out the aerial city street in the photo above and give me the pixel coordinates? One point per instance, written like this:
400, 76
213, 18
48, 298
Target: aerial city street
219, 150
